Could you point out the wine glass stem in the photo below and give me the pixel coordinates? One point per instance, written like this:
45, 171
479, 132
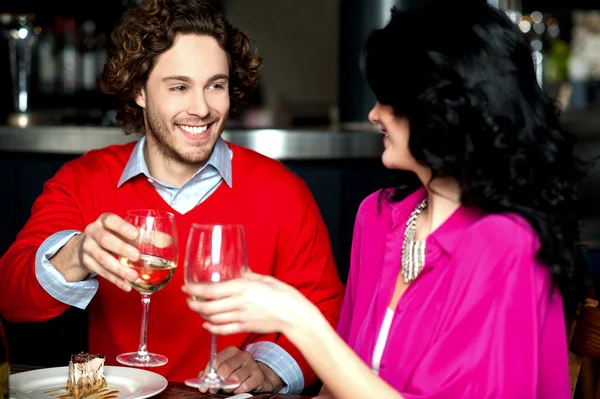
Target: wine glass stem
213, 355
143, 350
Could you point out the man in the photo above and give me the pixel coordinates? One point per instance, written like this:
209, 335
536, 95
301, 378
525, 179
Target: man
178, 67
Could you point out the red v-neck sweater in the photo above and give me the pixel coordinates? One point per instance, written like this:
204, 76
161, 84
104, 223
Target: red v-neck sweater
285, 235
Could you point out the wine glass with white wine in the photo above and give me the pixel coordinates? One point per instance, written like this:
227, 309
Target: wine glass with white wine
157, 243
214, 253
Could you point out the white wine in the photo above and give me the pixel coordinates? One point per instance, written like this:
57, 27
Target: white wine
153, 272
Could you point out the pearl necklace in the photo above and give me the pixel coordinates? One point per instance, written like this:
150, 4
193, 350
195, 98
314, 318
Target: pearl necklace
413, 252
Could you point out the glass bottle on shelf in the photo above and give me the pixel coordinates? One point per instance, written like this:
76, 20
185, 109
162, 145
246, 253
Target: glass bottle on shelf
70, 57
88, 56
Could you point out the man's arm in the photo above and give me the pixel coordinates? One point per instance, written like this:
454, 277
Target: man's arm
22, 298
29, 288
281, 364
73, 293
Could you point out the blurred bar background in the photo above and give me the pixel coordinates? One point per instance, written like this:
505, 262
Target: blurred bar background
310, 111
311, 50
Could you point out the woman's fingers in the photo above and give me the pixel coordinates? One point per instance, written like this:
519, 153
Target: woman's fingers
224, 329
214, 307
210, 291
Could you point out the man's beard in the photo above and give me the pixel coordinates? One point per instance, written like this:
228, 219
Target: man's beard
164, 136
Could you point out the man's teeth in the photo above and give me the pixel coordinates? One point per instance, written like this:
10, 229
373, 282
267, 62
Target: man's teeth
194, 129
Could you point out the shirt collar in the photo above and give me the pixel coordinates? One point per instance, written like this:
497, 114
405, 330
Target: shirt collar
220, 159
449, 235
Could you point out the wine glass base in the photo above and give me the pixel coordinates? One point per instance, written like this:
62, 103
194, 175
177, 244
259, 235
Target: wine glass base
133, 359
211, 383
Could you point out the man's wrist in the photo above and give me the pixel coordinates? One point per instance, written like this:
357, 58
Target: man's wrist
67, 260
276, 382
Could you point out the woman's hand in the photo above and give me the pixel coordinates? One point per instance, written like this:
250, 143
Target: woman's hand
254, 303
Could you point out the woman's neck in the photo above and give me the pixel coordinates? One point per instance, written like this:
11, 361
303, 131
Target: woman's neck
443, 198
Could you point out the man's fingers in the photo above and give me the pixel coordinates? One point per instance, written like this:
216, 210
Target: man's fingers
142, 235
240, 368
93, 266
113, 244
225, 354
222, 371
200, 375
107, 240
119, 226
246, 378
227, 367
105, 264
155, 238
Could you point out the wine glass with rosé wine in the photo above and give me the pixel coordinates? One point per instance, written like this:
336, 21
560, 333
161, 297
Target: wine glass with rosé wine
157, 242
214, 253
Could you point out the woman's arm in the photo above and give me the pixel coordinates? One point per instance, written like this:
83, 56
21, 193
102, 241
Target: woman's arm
343, 373
263, 304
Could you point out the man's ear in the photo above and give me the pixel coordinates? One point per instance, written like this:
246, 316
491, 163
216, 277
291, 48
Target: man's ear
140, 98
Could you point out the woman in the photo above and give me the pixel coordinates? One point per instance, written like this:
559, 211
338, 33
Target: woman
455, 288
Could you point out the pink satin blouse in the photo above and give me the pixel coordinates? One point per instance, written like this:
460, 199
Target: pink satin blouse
482, 320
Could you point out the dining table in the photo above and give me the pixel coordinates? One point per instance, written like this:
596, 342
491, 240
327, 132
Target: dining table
179, 390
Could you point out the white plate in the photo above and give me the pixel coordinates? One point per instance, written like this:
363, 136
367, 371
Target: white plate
131, 383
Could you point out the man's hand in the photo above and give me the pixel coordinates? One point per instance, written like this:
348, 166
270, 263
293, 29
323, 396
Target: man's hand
237, 365
94, 251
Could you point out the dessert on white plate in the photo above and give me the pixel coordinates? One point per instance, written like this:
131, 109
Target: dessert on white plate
86, 375
121, 383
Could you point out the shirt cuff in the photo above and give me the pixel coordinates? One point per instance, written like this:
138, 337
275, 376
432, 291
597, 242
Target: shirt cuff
78, 293
282, 364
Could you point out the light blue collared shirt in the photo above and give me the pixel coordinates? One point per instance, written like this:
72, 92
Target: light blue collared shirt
204, 182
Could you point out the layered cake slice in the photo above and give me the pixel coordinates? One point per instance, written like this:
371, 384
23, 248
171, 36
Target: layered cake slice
86, 375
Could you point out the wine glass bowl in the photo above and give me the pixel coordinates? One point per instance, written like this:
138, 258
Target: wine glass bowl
153, 272
214, 253
157, 243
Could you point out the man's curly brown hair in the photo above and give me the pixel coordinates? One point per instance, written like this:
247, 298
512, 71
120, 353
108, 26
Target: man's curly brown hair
149, 30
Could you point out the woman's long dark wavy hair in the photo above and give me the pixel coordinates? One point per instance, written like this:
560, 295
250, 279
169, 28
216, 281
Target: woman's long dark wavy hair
465, 80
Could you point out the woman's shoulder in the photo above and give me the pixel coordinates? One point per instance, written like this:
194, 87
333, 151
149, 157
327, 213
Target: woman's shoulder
510, 225
373, 201
382, 201
504, 235
499, 248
